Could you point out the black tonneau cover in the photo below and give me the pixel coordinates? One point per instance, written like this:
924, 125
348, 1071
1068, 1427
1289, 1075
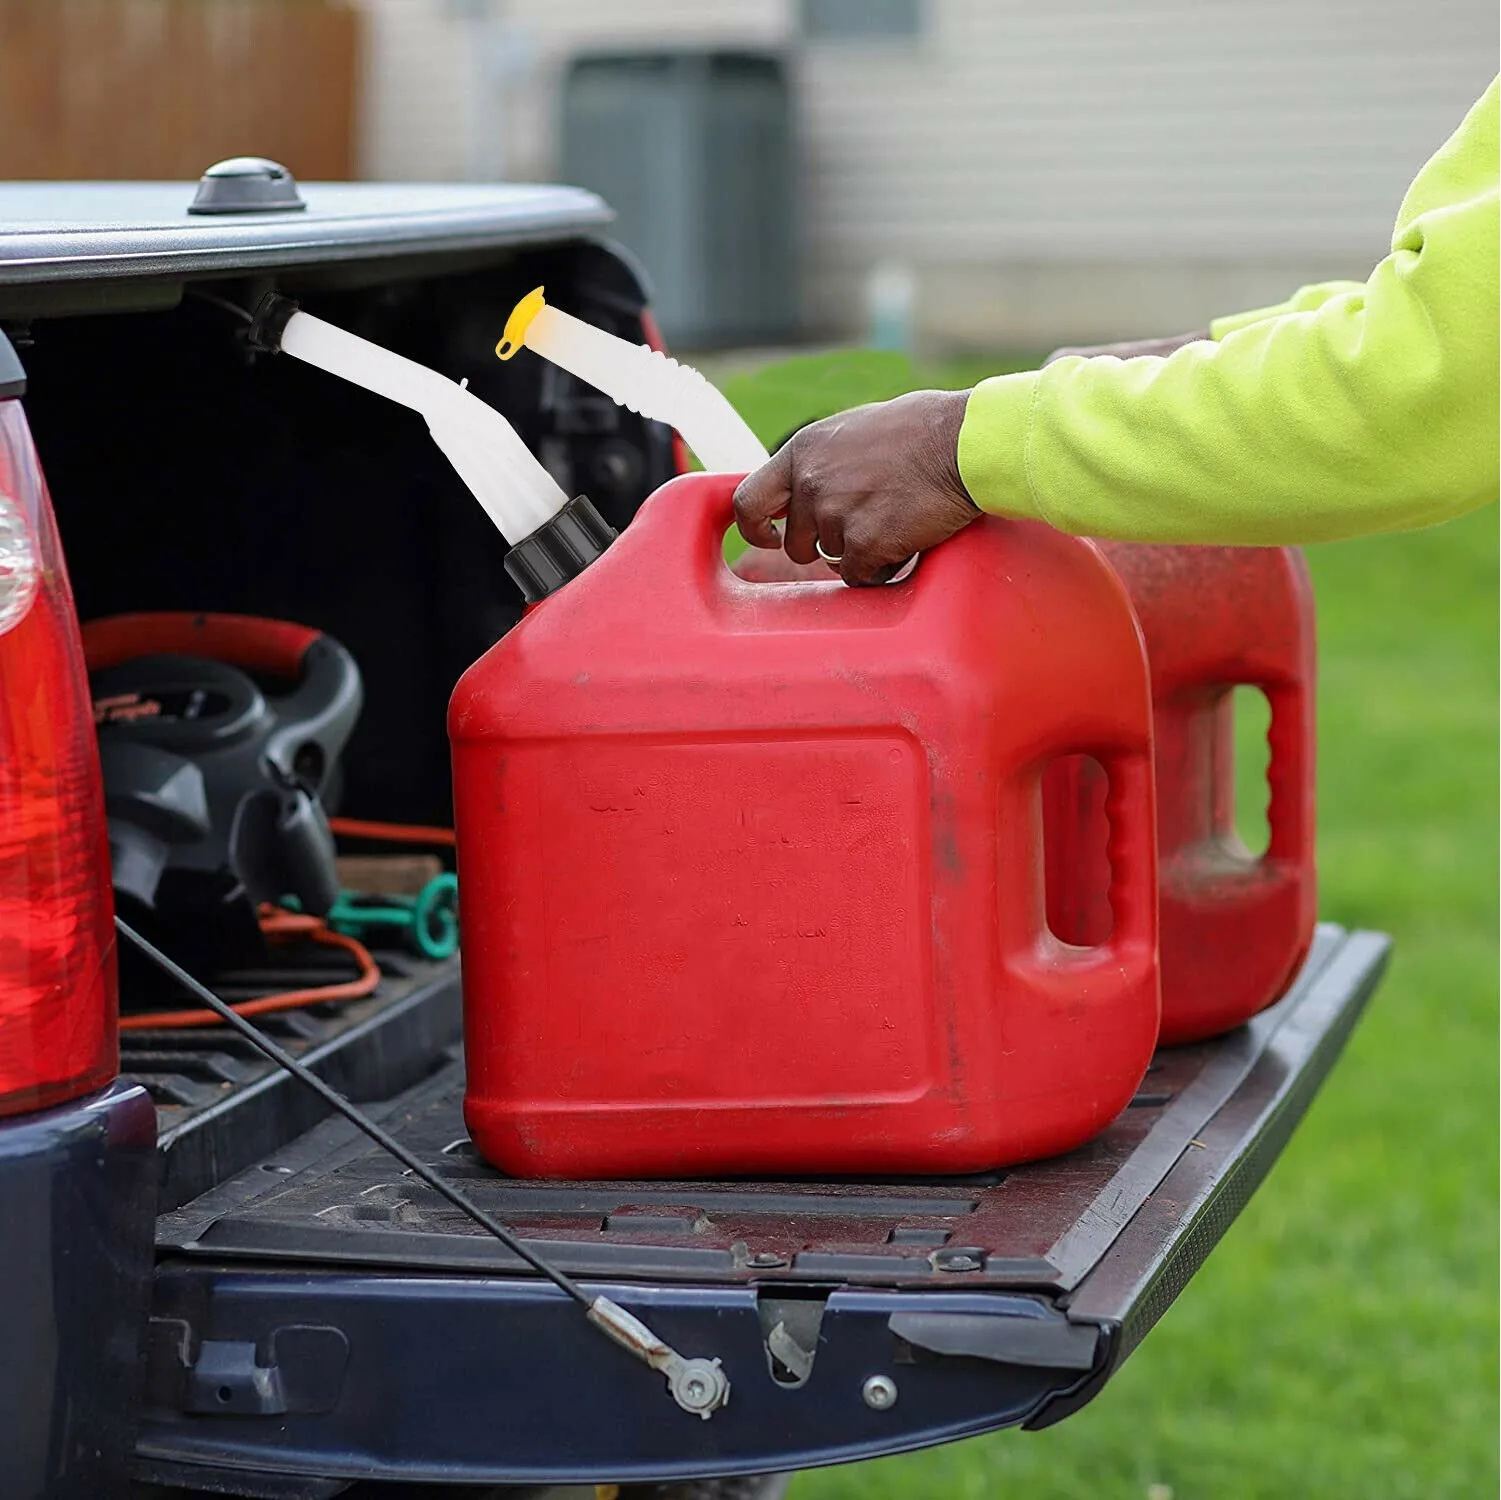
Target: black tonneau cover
71, 231
69, 248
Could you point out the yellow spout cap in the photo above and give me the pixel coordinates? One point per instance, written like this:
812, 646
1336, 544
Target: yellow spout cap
518, 323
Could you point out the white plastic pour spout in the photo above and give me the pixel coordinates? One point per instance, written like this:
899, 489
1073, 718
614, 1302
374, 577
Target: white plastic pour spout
517, 493
643, 380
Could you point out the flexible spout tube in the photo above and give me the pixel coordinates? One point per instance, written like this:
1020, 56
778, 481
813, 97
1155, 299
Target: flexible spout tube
358, 360
515, 491
641, 379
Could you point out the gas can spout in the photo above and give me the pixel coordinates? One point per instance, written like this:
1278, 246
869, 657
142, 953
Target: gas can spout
641, 379
513, 489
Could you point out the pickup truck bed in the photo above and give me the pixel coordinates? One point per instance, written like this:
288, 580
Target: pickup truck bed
315, 1310
309, 1315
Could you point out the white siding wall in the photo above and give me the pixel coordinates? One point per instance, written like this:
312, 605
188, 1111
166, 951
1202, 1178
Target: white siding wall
439, 71
1051, 168
415, 93
1082, 167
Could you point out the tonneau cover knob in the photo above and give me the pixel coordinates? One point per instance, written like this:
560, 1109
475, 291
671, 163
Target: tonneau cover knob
247, 185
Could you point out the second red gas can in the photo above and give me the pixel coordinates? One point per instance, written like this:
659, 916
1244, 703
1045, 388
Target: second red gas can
751, 874
1234, 927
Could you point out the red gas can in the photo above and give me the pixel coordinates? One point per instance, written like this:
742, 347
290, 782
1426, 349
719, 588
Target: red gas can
751, 874
1234, 929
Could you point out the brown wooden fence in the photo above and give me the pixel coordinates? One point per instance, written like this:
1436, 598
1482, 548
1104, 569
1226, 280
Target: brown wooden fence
162, 88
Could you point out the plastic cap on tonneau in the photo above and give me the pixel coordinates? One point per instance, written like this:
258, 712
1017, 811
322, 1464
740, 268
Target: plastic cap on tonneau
247, 185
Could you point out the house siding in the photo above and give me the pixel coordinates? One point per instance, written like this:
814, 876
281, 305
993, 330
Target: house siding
1048, 171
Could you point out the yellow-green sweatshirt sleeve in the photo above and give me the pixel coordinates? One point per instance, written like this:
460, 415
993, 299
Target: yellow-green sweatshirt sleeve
1374, 408
1305, 299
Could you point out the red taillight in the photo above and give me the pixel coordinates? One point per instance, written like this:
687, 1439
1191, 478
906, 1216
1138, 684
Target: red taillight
58, 1000
652, 333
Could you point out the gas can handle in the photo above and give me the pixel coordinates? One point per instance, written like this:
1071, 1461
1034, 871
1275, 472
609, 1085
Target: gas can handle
1131, 814
683, 524
1289, 803
691, 514
1289, 814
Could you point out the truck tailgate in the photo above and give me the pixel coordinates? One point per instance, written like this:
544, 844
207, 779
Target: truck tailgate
319, 1312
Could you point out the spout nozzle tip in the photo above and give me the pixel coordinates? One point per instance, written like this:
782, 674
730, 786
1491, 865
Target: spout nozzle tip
522, 316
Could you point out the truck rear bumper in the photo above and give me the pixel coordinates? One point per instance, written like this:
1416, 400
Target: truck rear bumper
78, 1206
409, 1349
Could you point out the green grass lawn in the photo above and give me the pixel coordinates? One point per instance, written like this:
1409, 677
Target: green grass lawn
1342, 1339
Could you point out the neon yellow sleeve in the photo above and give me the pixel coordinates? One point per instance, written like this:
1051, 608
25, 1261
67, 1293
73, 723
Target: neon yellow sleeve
1305, 299
1365, 407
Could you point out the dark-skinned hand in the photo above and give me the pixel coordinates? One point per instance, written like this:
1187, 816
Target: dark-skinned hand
867, 489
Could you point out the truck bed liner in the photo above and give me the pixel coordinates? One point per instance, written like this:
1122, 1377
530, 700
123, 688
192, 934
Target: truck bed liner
334, 1197
223, 1107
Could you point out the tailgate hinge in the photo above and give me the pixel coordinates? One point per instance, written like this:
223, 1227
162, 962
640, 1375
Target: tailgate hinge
302, 1371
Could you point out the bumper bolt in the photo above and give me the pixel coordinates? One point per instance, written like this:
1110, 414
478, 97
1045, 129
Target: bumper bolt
957, 1260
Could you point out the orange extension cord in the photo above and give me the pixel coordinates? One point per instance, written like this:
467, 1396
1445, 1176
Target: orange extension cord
392, 833
278, 924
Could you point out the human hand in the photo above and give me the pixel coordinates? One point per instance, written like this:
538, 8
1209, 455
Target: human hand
1132, 348
866, 489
